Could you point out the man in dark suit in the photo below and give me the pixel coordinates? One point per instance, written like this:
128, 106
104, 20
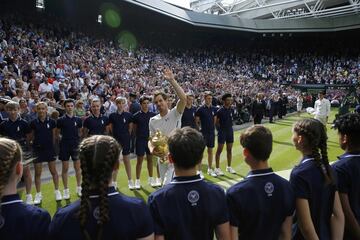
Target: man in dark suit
258, 108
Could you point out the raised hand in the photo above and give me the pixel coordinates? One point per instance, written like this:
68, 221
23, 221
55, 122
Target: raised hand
168, 74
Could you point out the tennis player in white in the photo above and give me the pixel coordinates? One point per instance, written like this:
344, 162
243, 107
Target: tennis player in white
166, 121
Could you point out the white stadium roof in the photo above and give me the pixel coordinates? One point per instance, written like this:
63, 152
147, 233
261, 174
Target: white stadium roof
277, 9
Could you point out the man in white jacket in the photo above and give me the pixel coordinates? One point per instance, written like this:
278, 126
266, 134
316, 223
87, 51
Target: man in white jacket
322, 108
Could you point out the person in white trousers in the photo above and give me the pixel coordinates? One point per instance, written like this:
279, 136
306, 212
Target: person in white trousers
322, 108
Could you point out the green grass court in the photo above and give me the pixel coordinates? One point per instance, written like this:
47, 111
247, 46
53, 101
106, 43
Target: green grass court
283, 157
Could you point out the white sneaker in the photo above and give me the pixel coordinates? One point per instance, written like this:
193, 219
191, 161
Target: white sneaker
230, 170
218, 172
29, 199
38, 198
200, 173
66, 194
137, 184
152, 182
211, 172
58, 196
131, 185
158, 182
114, 185
78, 191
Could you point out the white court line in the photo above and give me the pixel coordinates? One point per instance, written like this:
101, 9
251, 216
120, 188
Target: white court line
228, 183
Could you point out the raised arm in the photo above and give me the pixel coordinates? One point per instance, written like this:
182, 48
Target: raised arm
169, 76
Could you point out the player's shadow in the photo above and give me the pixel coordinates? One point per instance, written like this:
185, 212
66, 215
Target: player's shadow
226, 179
138, 195
283, 143
147, 193
283, 124
58, 205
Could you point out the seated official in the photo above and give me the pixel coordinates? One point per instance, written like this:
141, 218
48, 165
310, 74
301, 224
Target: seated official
188, 207
102, 212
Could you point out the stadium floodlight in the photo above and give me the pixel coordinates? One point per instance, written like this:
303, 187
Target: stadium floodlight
40, 4
99, 19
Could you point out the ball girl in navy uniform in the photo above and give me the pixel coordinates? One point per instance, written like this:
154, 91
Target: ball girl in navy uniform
318, 209
69, 127
120, 127
18, 129
347, 169
96, 123
102, 212
43, 132
17, 219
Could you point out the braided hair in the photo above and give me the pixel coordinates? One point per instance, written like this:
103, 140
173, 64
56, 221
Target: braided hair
10, 154
315, 136
98, 155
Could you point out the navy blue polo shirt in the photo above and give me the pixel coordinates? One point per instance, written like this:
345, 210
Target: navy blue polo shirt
16, 130
206, 115
69, 127
259, 204
225, 116
120, 123
129, 219
347, 170
188, 117
43, 132
96, 125
141, 119
22, 221
308, 182
188, 208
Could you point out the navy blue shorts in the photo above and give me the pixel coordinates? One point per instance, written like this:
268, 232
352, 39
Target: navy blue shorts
43, 154
124, 141
226, 136
209, 139
69, 149
142, 147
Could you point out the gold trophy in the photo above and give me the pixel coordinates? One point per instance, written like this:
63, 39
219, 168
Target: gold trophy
159, 143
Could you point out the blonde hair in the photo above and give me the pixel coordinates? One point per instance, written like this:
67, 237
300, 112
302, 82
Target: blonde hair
10, 154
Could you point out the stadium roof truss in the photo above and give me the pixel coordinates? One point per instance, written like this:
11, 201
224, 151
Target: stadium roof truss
277, 9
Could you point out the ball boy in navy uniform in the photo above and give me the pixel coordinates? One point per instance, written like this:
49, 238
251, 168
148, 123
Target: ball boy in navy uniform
347, 169
17, 220
188, 117
205, 116
121, 127
69, 127
318, 208
102, 212
223, 121
261, 206
188, 208
96, 123
141, 128
43, 133
18, 129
